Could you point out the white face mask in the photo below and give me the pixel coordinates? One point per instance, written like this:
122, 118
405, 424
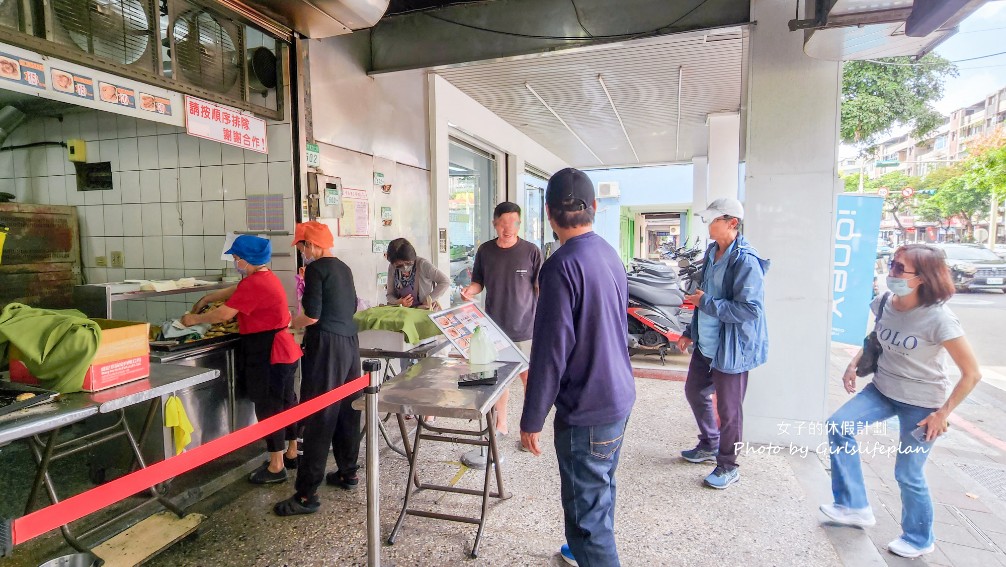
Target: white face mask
899, 286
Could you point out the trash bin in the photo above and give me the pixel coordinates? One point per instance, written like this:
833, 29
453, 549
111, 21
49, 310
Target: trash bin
75, 560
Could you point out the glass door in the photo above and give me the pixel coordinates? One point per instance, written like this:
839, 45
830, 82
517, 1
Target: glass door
536, 228
473, 196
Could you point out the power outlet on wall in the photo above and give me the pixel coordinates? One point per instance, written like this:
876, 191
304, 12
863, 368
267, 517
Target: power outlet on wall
117, 260
101, 261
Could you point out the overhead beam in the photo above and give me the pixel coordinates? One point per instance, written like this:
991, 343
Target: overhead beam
507, 28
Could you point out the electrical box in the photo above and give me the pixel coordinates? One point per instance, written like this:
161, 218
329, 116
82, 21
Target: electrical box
77, 150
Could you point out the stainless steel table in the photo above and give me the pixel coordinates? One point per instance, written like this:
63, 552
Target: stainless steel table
41, 425
430, 389
424, 350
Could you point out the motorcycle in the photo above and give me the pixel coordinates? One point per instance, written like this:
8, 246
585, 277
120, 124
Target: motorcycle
657, 312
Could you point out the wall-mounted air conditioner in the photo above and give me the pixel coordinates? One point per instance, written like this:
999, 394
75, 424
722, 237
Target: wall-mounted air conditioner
607, 190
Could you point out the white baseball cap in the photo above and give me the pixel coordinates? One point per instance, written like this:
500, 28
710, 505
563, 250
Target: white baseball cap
722, 207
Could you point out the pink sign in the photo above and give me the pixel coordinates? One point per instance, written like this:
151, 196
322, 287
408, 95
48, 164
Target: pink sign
225, 125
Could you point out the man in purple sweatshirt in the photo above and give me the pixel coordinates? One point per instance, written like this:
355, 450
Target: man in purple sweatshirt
580, 364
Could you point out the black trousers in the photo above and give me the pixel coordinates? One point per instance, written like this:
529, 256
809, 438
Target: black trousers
330, 360
268, 386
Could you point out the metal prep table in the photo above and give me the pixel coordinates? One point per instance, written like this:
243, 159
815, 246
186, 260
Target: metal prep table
41, 425
430, 389
424, 350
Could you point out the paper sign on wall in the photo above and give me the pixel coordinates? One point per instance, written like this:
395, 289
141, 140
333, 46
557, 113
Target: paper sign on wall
380, 246
313, 155
355, 220
224, 124
386, 216
23, 71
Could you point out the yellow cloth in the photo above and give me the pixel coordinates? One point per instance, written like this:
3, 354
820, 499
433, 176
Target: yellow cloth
178, 421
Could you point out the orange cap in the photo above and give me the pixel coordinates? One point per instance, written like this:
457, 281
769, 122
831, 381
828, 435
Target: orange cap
314, 232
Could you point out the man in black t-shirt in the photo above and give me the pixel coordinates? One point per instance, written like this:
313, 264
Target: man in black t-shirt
507, 269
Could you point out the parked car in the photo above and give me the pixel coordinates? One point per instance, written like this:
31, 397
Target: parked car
1000, 250
974, 266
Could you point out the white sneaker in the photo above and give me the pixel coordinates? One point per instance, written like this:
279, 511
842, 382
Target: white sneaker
862, 517
905, 549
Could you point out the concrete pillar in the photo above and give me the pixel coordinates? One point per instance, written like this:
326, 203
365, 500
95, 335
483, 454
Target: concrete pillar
790, 186
700, 196
724, 154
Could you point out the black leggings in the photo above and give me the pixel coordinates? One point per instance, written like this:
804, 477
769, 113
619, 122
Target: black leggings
275, 397
330, 360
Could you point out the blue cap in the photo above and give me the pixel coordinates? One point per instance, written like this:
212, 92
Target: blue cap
252, 249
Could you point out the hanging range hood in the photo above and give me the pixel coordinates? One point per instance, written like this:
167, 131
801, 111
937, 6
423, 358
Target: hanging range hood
317, 19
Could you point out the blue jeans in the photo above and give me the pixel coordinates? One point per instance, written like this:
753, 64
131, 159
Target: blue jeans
588, 457
868, 407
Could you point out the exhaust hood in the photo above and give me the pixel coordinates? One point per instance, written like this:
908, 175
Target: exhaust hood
318, 19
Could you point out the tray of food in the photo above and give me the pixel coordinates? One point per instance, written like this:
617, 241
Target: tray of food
217, 333
14, 397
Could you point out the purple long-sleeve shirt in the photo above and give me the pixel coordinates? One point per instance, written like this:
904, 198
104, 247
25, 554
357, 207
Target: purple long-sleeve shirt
579, 359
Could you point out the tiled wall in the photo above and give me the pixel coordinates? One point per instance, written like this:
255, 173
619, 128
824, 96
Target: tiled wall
174, 197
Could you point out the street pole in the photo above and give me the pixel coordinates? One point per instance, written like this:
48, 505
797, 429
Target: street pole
993, 223
373, 367
862, 165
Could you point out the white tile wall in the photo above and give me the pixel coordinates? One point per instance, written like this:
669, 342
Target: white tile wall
159, 174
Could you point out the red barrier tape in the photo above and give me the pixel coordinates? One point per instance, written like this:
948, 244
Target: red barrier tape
72, 509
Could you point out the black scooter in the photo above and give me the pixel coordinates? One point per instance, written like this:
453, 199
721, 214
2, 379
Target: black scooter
658, 313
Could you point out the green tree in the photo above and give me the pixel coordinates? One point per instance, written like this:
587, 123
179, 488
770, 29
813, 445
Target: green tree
894, 203
898, 90
957, 196
851, 182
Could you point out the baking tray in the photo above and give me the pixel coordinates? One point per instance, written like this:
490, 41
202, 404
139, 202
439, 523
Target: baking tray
10, 390
173, 346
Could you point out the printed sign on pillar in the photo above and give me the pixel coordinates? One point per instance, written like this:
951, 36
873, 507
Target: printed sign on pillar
856, 232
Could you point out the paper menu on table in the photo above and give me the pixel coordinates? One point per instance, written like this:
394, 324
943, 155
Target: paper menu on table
458, 324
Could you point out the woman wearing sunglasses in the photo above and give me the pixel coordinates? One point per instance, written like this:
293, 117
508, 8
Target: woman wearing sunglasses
916, 331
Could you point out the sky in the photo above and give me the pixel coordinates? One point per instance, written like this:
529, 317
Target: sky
980, 34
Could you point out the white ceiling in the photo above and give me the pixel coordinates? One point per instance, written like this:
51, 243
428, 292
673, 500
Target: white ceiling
642, 79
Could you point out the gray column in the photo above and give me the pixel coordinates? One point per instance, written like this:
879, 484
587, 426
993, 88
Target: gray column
790, 185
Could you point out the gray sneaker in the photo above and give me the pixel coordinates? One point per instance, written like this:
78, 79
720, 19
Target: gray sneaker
697, 455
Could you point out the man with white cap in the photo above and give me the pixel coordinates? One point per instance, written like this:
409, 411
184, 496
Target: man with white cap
730, 336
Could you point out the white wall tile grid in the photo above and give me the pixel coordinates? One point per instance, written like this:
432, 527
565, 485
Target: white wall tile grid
174, 195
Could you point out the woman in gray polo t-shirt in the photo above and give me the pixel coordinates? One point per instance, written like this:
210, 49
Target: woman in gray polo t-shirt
916, 331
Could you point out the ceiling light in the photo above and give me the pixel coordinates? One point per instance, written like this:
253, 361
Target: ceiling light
559, 118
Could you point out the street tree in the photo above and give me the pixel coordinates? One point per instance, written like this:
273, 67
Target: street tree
986, 164
960, 198
895, 182
896, 90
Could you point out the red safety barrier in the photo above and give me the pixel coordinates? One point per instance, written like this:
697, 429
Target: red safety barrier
72, 509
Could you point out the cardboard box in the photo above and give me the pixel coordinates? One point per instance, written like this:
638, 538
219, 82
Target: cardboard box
123, 356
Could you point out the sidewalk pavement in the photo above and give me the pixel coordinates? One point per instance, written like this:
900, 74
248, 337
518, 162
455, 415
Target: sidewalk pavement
665, 516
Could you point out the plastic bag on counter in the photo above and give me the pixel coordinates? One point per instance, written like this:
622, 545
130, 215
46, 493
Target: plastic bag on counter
481, 349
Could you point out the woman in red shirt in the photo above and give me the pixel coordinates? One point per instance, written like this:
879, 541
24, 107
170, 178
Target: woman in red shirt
268, 354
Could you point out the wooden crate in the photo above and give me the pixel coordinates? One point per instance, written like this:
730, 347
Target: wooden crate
41, 256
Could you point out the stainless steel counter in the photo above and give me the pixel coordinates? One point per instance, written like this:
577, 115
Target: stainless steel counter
72, 408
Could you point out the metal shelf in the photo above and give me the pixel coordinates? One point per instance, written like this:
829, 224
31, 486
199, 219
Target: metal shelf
95, 300
147, 294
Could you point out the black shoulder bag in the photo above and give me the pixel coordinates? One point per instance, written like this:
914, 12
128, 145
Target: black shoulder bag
871, 346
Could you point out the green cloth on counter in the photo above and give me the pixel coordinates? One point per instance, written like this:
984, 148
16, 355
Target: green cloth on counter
56, 346
414, 323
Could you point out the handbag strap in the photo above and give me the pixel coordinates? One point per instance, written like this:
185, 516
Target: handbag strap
883, 302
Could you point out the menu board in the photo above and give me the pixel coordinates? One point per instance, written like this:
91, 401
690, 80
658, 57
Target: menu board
117, 95
458, 324
154, 103
72, 83
22, 71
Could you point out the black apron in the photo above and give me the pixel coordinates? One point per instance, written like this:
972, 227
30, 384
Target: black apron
253, 362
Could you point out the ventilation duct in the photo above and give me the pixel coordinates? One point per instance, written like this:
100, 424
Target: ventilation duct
10, 119
318, 19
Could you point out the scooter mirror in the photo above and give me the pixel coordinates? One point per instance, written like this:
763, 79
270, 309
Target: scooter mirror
684, 263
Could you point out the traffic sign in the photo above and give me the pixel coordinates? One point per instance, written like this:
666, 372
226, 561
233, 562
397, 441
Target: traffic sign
887, 163
883, 191
907, 192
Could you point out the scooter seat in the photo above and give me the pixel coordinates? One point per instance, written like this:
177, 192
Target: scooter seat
662, 283
660, 297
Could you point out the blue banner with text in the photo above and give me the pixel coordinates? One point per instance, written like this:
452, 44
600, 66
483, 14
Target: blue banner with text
857, 229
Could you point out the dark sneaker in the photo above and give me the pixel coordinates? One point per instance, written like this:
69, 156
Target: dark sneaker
296, 505
342, 480
721, 478
264, 476
697, 455
291, 464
